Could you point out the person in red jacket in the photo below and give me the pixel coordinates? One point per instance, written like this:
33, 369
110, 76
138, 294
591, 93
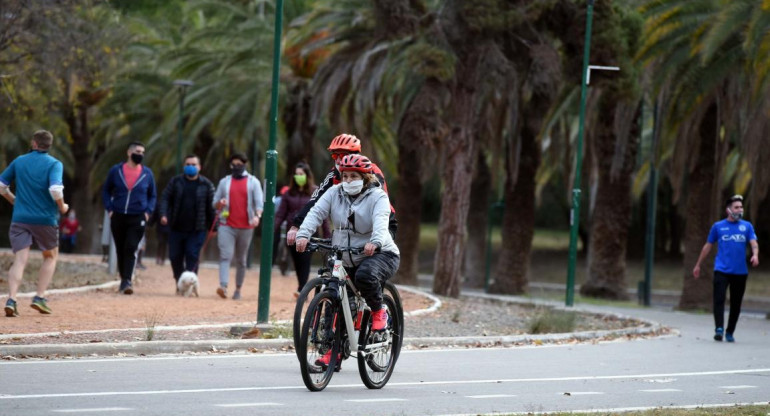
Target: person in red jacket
299, 193
340, 146
69, 228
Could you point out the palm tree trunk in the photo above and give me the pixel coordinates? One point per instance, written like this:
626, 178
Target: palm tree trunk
478, 221
696, 294
299, 128
511, 273
420, 126
611, 217
88, 208
457, 154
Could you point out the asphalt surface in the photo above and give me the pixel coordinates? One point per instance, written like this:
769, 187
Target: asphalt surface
683, 369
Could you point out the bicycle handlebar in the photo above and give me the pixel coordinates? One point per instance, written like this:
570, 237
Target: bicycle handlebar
316, 244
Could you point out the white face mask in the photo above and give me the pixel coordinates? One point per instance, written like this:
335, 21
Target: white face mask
353, 187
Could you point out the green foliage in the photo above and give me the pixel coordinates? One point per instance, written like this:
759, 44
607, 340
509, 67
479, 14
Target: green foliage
548, 321
429, 60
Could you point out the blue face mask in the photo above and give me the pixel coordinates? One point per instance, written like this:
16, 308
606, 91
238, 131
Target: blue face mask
190, 170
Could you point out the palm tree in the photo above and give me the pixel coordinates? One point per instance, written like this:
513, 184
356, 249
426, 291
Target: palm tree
704, 53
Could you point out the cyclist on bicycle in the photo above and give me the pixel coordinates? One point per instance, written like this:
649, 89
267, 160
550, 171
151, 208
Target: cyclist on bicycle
360, 210
340, 146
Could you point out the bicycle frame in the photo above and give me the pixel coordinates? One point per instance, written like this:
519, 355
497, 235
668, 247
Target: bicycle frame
340, 276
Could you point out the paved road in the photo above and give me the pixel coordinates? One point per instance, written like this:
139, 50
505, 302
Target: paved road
681, 370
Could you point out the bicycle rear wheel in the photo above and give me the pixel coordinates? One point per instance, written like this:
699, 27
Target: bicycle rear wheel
378, 350
390, 288
321, 335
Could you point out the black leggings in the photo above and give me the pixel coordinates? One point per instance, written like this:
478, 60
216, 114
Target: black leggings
127, 231
371, 274
301, 265
737, 285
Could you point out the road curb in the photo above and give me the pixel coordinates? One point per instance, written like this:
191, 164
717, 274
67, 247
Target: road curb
141, 348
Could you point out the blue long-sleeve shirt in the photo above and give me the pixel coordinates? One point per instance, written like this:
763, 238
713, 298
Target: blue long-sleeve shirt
138, 200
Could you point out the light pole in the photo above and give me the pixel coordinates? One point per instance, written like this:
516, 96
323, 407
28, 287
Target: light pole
575, 212
271, 168
182, 85
574, 217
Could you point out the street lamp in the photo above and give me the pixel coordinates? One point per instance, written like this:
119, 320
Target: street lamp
182, 84
575, 212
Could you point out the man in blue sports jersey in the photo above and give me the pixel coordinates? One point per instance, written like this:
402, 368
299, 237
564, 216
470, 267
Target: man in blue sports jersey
730, 270
36, 206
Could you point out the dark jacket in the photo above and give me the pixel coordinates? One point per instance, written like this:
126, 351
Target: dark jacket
118, 198
290, 205
170, 202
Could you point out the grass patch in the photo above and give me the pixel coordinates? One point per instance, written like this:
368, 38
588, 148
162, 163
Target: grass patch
547, 321
762, 410
151, 321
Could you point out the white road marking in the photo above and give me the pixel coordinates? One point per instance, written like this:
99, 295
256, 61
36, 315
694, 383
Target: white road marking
660, 391
95, 409
249, 404
490, 396
376, 400
737, 387
581, 393
409, 383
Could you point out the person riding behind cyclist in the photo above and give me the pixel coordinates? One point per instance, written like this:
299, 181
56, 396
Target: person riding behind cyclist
360, 210
343, 144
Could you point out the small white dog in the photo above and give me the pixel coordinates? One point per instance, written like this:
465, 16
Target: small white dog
188, 284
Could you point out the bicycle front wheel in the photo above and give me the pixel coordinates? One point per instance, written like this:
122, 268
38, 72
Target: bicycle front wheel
320, 341
299, 309
378, 350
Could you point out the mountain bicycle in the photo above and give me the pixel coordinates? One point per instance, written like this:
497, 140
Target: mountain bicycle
330, 328
316, 284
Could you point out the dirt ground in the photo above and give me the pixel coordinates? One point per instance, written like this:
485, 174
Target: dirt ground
154, 301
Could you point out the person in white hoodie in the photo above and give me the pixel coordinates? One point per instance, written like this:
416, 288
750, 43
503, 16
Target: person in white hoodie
239, 200
360, 211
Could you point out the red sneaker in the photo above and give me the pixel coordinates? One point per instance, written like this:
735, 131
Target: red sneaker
379, 319
324, 361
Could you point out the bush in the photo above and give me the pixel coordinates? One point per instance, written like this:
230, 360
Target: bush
547, 321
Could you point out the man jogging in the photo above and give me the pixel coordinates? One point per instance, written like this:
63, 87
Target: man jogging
36, 206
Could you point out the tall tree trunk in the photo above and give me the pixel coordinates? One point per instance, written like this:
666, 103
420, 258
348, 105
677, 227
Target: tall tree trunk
88, 208
511, 272
457, 150
421, 125
478, 224
299, 127
696, 294
611, 217
543, 69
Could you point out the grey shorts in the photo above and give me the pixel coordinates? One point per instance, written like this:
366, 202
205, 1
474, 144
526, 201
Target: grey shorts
46, 237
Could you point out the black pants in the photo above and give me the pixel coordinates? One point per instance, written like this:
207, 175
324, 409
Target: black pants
301, 266
737, 285
127, 231
184, 249
372, 273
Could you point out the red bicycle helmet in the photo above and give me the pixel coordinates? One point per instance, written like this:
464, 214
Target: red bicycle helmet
345, 143
355, 163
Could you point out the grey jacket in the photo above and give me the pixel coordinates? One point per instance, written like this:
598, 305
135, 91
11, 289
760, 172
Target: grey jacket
356, 221
256, 196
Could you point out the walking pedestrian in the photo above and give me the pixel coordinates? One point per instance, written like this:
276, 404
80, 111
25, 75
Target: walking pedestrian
129, 197
38, 201
69, 228
239, 199
730, 270
299, 193
185, 207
